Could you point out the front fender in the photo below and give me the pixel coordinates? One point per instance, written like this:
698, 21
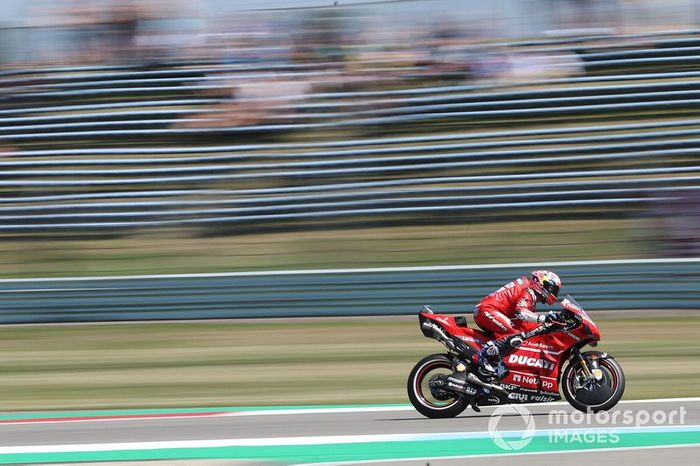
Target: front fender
598, 355
591, 356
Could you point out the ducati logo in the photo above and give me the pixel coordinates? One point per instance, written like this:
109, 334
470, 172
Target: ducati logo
531, 362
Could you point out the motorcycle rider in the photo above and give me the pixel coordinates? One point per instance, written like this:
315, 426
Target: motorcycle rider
515, 300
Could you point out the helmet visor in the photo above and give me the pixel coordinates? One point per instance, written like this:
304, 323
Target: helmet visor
552, 288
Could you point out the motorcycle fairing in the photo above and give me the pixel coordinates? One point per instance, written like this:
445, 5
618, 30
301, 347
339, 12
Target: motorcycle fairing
534, 366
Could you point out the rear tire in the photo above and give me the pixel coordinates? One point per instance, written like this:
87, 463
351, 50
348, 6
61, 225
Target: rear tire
613, 378
417, 388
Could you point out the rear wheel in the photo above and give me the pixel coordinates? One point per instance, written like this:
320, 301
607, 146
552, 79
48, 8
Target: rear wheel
593, 395
431, 401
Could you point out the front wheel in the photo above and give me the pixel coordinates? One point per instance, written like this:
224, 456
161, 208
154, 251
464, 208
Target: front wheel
593, 395
431, 401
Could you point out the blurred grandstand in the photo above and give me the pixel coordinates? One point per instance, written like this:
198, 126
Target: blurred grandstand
315, 117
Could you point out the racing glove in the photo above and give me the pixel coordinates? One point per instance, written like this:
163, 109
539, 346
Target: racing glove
551, 316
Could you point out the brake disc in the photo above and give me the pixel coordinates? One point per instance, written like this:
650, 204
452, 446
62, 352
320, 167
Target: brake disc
437, 384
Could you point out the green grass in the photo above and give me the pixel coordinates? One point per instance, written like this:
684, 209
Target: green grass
294, 361
558, 239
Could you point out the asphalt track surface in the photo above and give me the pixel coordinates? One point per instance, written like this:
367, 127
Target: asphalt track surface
354, 425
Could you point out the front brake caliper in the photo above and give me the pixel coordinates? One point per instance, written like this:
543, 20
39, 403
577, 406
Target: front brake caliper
595, 368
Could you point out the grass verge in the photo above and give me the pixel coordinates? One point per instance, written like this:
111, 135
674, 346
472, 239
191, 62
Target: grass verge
296, 361
560, 239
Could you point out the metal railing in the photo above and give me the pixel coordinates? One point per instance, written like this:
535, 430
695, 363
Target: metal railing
599, 285
479, 172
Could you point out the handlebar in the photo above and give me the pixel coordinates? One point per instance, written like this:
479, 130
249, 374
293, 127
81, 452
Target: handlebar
570, 320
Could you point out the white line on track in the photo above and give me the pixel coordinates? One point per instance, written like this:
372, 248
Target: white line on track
343, 410
228, 412
492, 455
58, 420
295, 441
379, 409
661, 400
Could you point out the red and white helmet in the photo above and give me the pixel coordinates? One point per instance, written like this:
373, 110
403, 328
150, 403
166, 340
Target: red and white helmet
546, 285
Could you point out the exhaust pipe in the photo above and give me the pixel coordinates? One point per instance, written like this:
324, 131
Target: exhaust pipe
471, 378
440, 335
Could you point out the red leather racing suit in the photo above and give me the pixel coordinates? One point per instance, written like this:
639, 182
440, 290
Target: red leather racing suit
515, 300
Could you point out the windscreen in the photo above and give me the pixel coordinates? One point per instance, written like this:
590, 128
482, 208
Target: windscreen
576, 305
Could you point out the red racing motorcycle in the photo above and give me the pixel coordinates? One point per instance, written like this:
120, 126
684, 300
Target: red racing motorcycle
591, 380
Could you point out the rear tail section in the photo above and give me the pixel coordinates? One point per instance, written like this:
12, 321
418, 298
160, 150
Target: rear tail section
443, 329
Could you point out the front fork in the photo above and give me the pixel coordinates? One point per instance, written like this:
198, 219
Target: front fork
590, 367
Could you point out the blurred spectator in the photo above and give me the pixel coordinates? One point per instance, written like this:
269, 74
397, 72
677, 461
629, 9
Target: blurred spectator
122, 24
252, 102
6, 150
677, 225
83, 29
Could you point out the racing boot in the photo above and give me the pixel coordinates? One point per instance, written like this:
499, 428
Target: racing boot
491, 365
490, 357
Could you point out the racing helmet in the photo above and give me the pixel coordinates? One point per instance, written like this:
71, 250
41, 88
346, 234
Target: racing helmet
546, 285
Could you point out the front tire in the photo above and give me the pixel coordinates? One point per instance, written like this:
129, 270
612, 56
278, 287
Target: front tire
420, 394
600, 396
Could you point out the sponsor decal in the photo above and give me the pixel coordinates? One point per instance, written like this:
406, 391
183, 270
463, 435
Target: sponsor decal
466, 388
509, 386
532, 380
530, 362
520, 388
470, 339
525, 398
528, 390
537, 344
